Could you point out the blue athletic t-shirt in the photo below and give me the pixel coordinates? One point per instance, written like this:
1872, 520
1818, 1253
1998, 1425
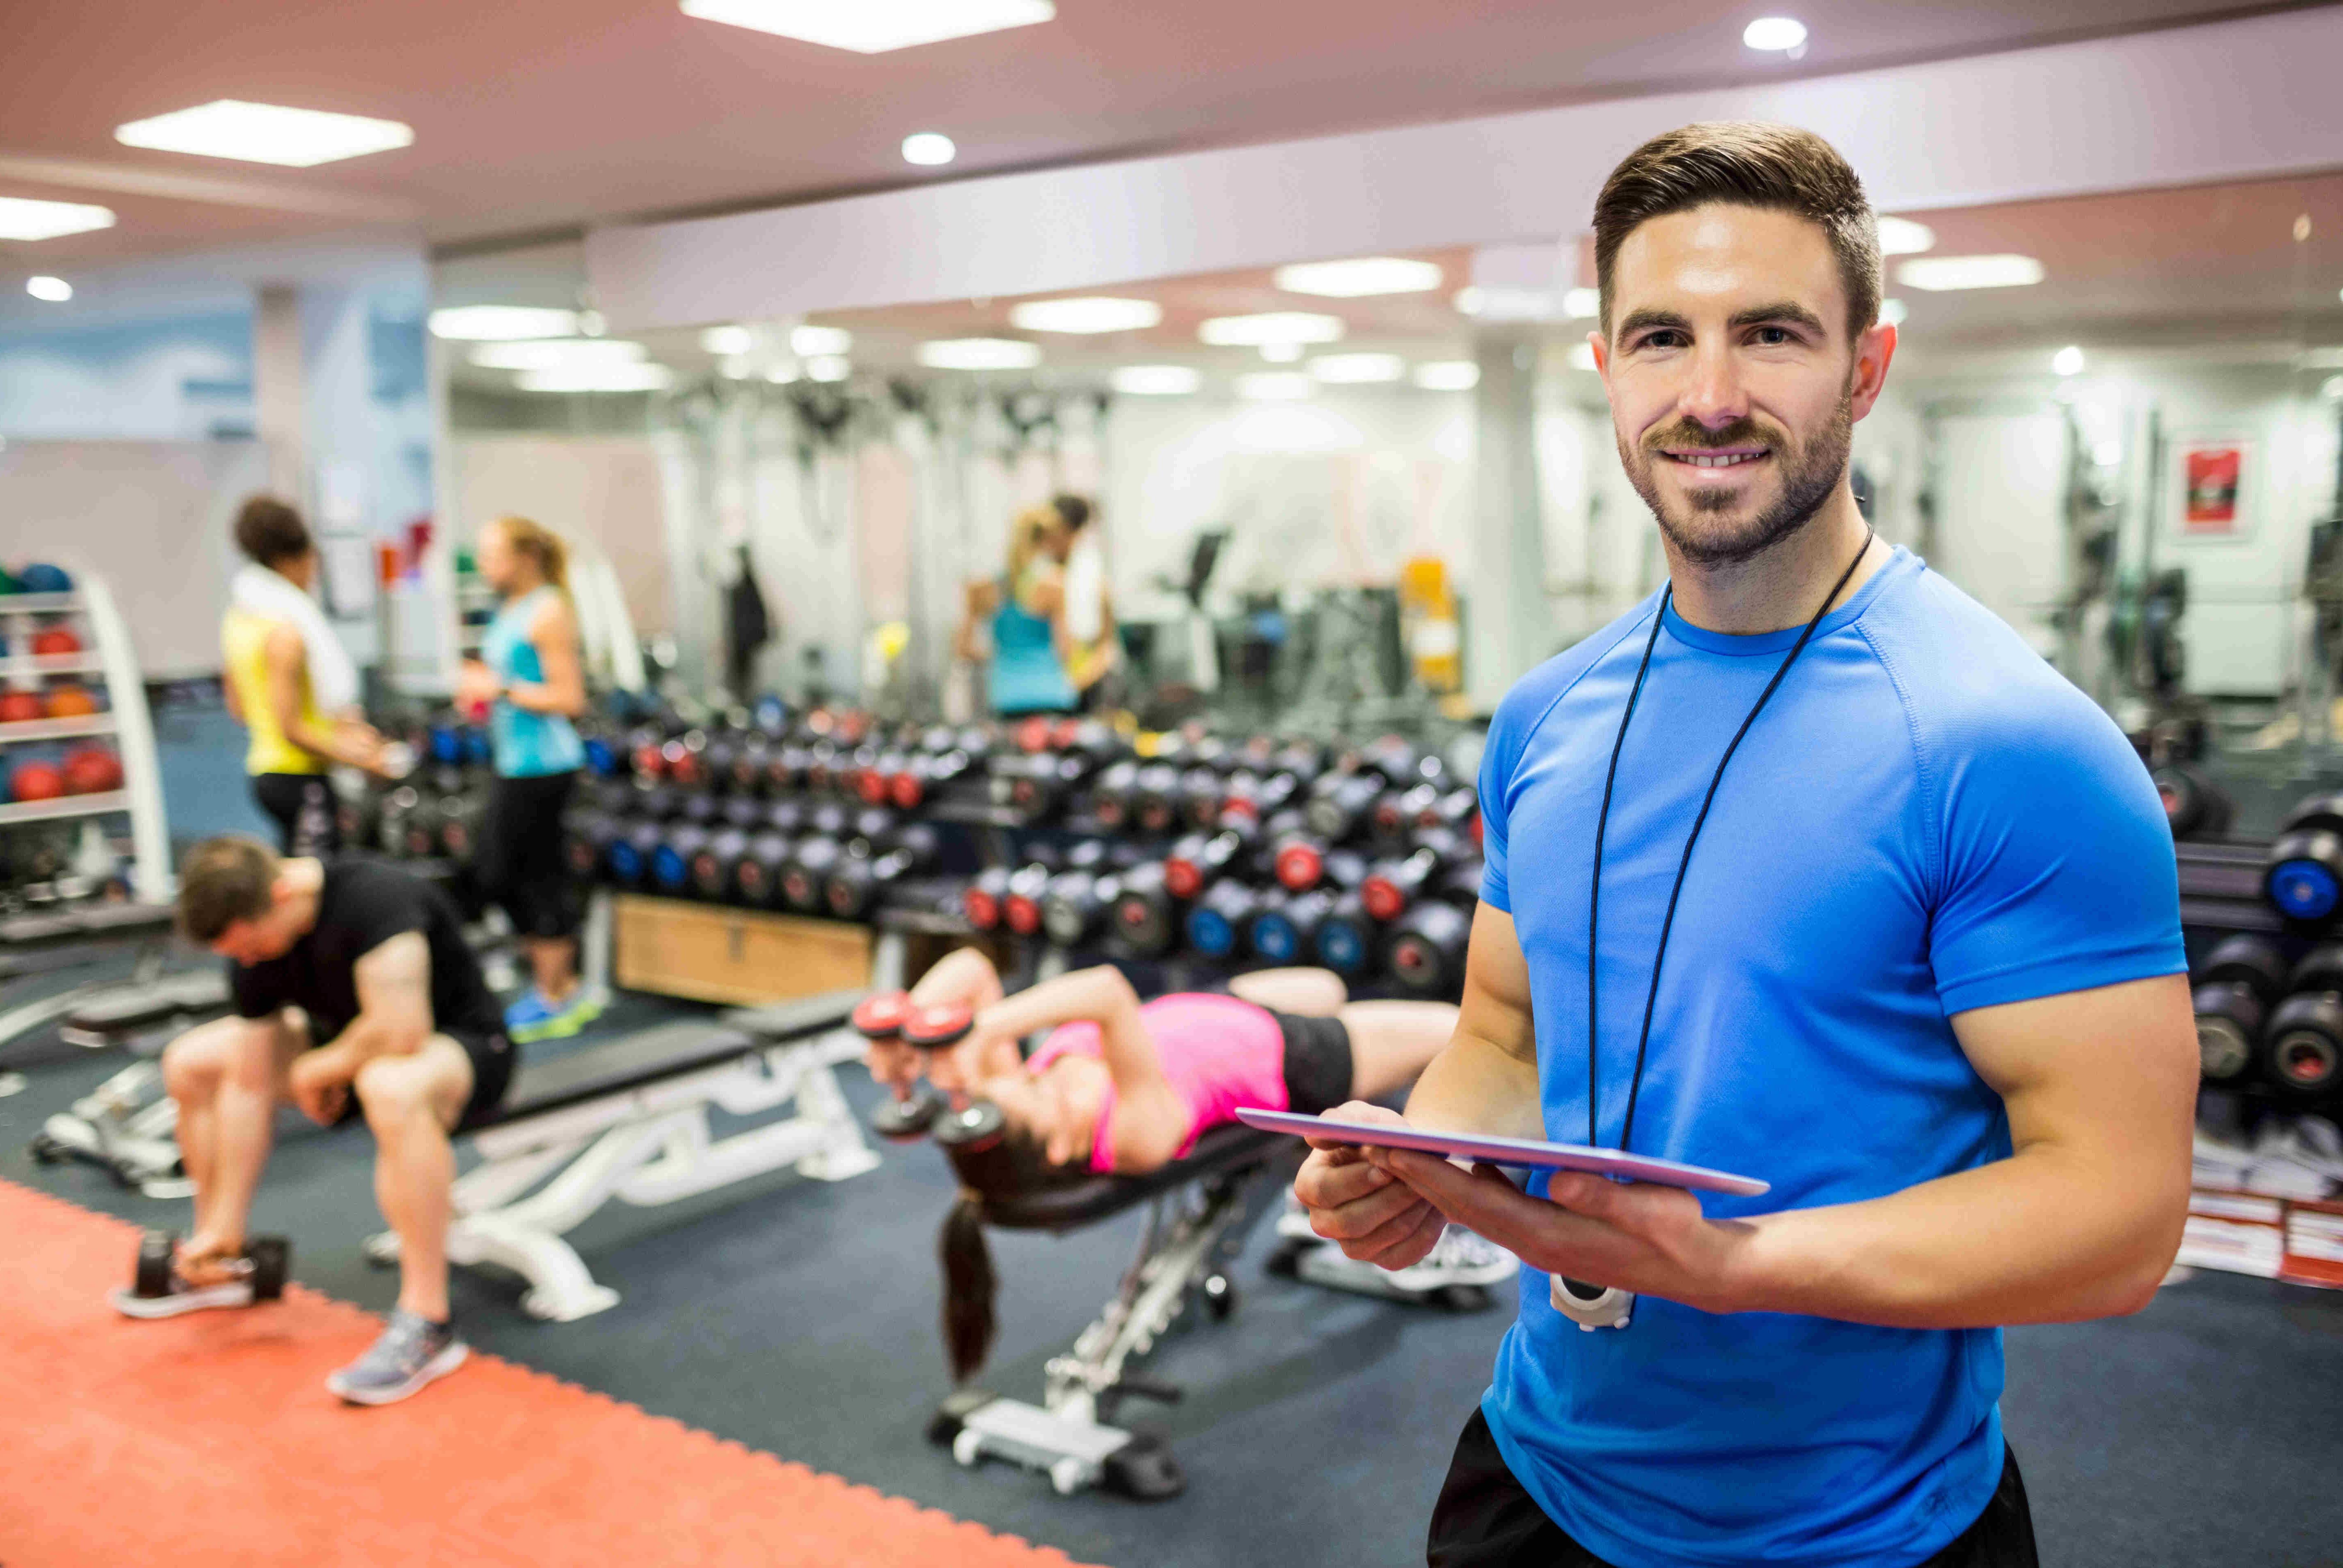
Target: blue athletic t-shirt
1926, 819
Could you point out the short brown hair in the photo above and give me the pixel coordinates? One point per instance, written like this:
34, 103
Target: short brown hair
270, 531
1779, 168
222, 881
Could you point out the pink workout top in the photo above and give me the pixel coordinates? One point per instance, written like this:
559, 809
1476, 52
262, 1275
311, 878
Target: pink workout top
1218, 1051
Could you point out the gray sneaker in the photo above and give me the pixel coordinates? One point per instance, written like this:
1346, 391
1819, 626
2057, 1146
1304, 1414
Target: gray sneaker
1459, 1258
412, 1352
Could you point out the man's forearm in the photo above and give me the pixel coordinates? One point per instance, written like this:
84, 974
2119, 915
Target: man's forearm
2046, 1236
369, 1037
1474, 1085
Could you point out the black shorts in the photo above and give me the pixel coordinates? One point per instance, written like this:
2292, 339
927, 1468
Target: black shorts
1486, 1519
519, 863
492, 1070
1317, 1061
302, 804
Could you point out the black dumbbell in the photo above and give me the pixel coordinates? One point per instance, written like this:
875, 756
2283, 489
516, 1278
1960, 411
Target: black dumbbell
1199, 860
587, 843
2234, 988
1252, 795
1452, 809
980, 902
716, 867
785, 768
629, 856
1220, 924
2193, 806
263, 1264
752, 755
1201, 793
1148, 916
1426, 947
1021, 903
1111, 794
861, 880
1155, 798
1391, 886
721, 758
419, 827
1302, 862
1285, 929
757, 875
684, 758
2303, 878
391, 828
877, 1017
672, 861
816, 856
1075, 905
460, 824
1349, 938
2302, 1055
820, 766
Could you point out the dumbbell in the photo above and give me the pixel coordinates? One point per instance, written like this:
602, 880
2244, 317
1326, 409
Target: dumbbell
1349, 936
1303, 861
1199, 860
2302, 1055
1252, 795
716, 867
2303, 878
718, 759
1425, 950
643, 744
391, 827
757, 875
460, 824
1076, 904
1155, 798
1021, 903
421, 823
751, 754
859, 880
2239, 980
263, 1264
1148, 915
630, 855
1220, 922
587, 843
1285, 929
671, 860
982, 901
1392, 885
817, 855
684, 758
878, 1018
785, 768
1343, 804
1110, 795
1452, 808
820, 768
2194, 806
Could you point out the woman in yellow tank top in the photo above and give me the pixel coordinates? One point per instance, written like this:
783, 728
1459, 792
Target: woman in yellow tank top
267, 679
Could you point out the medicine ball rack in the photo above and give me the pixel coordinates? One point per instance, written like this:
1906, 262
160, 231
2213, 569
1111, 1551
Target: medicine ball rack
112, 660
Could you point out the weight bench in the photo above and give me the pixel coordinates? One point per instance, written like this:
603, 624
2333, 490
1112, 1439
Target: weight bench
629, 1120
126, 1126
40, 943
1201, 1210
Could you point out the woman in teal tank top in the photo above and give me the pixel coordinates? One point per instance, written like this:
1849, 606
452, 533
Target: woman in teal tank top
1028, 670
529, 679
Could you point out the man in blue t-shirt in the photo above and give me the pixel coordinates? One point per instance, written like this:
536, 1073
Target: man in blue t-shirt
1849, 891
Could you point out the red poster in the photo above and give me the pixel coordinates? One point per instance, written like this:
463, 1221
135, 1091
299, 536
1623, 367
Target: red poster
2212, 474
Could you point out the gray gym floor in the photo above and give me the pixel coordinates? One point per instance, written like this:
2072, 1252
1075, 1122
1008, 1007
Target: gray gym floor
800, 1317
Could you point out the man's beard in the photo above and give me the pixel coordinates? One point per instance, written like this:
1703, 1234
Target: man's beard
1808, 476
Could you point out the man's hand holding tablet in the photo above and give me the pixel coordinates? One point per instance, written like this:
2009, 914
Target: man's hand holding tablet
1387, 1206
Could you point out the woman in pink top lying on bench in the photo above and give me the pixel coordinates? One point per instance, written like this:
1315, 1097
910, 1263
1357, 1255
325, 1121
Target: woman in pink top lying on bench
1124, 1087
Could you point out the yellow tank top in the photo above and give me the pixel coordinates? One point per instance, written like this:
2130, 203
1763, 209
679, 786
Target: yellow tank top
244, 648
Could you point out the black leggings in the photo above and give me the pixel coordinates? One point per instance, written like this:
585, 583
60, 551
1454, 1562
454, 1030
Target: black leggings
302, 805
519, 862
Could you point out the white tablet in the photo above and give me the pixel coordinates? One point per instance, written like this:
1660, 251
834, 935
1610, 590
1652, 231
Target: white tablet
1521, 1152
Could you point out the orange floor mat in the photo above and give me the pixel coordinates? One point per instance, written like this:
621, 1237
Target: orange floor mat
210, 1439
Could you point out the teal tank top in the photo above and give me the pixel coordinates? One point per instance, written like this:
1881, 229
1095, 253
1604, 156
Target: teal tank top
1026, 675
527, 745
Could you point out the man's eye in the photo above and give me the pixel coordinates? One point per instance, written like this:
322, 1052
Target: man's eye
1666, 339
1773, 336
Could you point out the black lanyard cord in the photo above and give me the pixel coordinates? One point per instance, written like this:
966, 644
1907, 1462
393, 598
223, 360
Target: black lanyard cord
1667, 925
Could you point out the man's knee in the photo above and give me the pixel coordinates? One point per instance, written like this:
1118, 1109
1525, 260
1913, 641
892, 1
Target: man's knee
397, 1092
197, 1063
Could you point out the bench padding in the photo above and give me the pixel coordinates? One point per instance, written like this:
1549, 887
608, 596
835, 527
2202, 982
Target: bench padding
651, 1055
778, 1020
1221, 1151
101, 919
131, 1007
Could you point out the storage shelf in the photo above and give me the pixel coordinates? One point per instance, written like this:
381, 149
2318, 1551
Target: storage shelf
82, 663
40, 603
57, 729
64, 805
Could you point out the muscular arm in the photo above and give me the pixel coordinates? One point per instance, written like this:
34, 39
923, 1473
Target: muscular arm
2081, 1222
563, 690
1103, 997
1486, 1079
287, 661
394, 988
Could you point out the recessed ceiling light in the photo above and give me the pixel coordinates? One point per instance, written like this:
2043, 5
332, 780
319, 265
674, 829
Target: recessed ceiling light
1774, 34
1892, 313
23, 218
265, 134
979, 354
810, 342
1336, 369
619, 378
55, 290
1359, 277
1504, 302
1940, 274
928, 149
828, 367
1902, 236
556, 352
1448, 376
502, 323
1582, 304
872, 26
1092, 315
1281, 353
2067, 361
1274, 386
1157, 380
726, 339
1271, 327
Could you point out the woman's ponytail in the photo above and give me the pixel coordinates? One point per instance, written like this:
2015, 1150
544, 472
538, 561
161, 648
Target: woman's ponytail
970, 1285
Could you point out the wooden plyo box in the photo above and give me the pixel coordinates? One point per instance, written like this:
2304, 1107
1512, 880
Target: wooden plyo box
710, 952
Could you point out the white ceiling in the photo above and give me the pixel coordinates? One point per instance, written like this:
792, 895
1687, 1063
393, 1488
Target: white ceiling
532, 116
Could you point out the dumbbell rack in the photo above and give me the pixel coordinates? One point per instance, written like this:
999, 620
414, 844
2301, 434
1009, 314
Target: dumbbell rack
111, 660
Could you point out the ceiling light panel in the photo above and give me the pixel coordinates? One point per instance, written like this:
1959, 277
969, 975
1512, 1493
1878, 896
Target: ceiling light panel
828, 367
979, 354
1504, 302
1447, 376
556, 354
1090, 315
726, 339
502, 323
55, 290
872, 26
929, 149
1271, 327
596, 378
1349, 370
808, 342
1157, 380
1902, 236
1274, 386
265, 134
1942, 273
1771, 34
1359, 277
21, 218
